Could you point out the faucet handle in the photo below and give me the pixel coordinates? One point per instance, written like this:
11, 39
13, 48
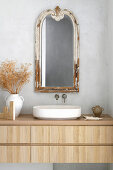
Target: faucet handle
56, 96
64, 96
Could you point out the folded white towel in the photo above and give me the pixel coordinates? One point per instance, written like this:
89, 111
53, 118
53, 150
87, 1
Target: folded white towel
91, 118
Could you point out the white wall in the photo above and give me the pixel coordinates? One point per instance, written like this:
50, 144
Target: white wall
109, 56
25, 166
17, 37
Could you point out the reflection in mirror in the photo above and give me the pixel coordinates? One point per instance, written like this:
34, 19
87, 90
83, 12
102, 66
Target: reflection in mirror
57, 65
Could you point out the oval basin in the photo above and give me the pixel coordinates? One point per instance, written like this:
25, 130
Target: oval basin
57, 112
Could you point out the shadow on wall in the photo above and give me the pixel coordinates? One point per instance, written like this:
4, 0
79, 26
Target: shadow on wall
2, 99
82, 167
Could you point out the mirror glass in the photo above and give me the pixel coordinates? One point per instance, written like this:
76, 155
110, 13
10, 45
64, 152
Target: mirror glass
57, 61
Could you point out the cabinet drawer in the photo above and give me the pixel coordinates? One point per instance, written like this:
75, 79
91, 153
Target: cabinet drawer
15, 154
14, 134
72, 154
72, 134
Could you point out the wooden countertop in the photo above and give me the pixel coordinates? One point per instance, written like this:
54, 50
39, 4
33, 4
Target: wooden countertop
29, 120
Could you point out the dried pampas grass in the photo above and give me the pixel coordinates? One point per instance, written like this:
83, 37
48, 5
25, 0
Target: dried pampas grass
12, 78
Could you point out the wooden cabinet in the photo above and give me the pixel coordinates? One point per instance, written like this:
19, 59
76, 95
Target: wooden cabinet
14, 134
72, 154
15, 154
13, 144
31, 140
73, 144
72, 134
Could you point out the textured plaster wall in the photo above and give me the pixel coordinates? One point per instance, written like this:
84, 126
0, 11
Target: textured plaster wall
17, 36
109, 56
26, 166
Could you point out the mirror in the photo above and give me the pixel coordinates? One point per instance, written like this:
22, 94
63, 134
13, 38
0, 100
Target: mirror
57, 53
57, 50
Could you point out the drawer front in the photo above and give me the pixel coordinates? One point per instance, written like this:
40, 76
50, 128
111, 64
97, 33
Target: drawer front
72, 154
15, 154
14, 134
72, 134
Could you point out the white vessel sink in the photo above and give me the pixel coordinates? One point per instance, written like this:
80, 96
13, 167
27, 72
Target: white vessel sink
56, 112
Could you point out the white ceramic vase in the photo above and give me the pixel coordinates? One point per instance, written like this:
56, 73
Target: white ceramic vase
18, 102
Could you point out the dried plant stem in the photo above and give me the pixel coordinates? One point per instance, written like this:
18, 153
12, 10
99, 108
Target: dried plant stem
12, 78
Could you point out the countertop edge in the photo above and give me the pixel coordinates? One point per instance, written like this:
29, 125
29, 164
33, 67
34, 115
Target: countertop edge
29, 120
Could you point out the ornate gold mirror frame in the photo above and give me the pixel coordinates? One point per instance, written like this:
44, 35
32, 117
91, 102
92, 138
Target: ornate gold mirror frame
56, 14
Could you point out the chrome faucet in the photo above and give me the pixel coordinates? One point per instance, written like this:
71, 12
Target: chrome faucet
64, 96
56, 96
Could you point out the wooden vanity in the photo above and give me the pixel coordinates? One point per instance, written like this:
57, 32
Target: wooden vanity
29, 140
